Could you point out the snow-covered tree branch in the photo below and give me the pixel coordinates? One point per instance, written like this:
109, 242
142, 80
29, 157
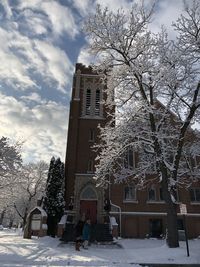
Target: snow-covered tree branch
10, 161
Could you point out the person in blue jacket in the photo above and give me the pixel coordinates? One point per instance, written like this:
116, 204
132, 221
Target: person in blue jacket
86, 233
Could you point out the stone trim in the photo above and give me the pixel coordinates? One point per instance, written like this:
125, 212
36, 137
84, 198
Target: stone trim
81, 182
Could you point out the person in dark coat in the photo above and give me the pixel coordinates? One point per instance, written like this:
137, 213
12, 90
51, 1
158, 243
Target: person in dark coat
78, 234
86, 233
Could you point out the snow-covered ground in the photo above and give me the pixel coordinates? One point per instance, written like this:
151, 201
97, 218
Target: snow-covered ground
17, 252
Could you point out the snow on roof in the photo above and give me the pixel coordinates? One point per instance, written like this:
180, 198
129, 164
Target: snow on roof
43, 212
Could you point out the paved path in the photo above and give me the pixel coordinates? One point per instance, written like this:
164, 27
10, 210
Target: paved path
170, 265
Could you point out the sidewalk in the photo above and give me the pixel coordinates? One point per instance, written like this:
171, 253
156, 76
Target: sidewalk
169, 265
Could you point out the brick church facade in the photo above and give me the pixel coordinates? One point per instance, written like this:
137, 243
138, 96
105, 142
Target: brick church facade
139, 213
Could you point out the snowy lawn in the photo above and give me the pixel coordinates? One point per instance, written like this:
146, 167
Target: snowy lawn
17, 252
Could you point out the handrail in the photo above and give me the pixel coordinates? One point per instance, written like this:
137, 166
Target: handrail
120, 216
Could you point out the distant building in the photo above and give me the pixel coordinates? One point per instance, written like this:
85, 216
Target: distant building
138, 213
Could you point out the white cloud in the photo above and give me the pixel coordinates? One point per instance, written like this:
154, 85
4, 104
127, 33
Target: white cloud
83, 6
114, 5
56, 63
36, 23
7, 8
12, 68
33, 97
85, 57
60, 16
43, 127
166, 12
22, 56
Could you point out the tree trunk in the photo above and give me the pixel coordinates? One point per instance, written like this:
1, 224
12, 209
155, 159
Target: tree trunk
2, 216
52, 225
172, 225
10, 223
25, 218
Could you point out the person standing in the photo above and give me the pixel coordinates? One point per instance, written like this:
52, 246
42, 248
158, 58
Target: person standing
86, 233
78, 233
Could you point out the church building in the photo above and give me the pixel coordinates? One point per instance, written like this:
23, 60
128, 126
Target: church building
138, 213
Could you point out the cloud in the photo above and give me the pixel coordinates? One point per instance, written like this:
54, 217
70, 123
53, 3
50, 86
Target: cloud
84, 6
35, 23
33, 97
166, 12
43, 127
85, 56
20, 56
115, 4
60, 17
12, 68
56, 63
7, 8
26, 60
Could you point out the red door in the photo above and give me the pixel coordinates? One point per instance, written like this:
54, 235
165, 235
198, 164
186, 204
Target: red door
89, 208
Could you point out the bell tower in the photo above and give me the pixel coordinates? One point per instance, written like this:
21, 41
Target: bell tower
83, 198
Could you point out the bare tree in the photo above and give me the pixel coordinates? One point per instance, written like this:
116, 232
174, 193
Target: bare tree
155, 82
31, 186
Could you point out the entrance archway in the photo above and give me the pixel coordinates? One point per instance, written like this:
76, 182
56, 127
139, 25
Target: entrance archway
88, 203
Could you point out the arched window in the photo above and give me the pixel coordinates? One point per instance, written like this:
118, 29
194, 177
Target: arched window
88, 193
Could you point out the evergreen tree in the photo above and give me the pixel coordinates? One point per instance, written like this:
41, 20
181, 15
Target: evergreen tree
54, 198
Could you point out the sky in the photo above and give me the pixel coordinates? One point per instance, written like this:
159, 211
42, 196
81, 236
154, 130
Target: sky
40, 43
48, 251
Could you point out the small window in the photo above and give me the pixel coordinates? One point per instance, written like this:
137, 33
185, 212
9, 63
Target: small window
151, 194
195, 194
91, 135
90, 166
129, 193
